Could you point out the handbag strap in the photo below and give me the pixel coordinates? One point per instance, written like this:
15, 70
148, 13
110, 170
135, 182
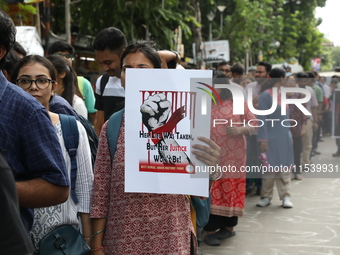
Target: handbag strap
60, 244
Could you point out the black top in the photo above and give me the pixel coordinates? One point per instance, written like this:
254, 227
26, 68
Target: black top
14, 239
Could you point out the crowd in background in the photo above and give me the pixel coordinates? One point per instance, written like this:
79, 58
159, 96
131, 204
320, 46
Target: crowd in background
111, 220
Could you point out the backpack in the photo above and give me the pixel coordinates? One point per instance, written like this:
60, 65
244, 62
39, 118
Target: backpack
71, 140
92, 137
112, 131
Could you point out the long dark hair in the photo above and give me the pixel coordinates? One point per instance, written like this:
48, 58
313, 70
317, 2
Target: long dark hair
274, 74
70, 79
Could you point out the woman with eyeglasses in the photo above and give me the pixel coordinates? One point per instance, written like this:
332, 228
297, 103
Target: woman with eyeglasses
67, 86
37, 76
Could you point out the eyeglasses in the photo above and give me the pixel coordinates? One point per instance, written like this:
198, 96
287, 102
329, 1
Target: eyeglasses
64, 55
41, 83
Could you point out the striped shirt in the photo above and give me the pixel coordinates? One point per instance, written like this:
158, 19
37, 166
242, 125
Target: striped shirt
48, 218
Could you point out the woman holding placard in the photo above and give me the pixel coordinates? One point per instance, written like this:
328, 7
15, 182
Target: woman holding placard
139, 223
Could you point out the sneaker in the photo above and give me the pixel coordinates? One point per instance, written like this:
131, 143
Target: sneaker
287, 203
263, 202
212, 240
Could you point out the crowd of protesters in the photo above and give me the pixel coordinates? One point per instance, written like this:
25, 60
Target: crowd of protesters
37, 92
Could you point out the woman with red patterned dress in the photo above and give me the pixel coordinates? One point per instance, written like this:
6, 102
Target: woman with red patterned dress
228, 193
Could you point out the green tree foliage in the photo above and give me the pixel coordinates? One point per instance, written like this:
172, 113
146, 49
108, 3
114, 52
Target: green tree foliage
3, 5
326, 55
24, 11
253, 26
138, 19
250, 26
301, 39
336, 56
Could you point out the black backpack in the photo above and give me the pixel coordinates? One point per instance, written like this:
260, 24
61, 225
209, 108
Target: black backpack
92, 136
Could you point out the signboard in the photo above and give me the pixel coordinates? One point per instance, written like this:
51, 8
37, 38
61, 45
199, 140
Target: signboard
29, 39
164, 116
217, 51
316, 64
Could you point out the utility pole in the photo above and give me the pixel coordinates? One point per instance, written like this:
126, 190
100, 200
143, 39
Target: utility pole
37, 19
198, 36
47, 22
68, 21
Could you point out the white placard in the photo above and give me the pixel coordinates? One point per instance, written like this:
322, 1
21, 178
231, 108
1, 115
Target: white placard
217, 51
29, 39
162, 120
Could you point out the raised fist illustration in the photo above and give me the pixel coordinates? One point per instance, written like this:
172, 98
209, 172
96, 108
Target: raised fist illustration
155, 111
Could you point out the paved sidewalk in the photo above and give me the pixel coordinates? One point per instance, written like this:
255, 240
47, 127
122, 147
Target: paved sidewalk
311, 227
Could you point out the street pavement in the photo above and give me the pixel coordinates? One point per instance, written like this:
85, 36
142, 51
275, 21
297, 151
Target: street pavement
311, 227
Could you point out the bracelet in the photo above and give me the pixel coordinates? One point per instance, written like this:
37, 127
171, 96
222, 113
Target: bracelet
97, 249
98, 232
178, 58
87, 239
219, 176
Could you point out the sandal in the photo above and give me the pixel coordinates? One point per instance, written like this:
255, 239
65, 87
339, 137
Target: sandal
224, 233
212, 240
